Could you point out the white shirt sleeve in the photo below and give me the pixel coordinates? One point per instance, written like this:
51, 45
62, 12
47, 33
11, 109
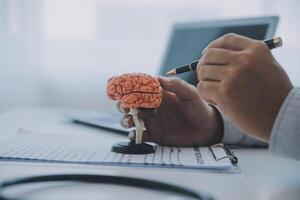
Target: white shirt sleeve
285, 136
233, 135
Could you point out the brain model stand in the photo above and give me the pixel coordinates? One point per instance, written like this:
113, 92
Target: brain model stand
135, 91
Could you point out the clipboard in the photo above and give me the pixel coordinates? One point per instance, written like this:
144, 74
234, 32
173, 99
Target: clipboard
31, 147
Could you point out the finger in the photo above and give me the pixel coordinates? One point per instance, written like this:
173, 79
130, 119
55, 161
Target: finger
146, 136
211, 72
144, 114
231, 41
127, 121
121, 109
208, 90
217, 56
181, 88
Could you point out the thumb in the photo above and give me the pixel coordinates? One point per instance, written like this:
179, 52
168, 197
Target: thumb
182, 89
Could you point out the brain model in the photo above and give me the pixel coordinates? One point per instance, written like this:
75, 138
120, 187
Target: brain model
135, 90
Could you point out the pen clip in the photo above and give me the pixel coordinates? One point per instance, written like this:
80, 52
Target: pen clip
233, 159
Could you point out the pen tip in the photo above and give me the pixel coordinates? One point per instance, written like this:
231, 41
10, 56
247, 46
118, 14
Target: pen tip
171, 72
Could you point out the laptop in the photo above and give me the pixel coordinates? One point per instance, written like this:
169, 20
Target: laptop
187, 41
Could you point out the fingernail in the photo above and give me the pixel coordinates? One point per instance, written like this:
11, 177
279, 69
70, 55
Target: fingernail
204, 50
121, 109
126, 122
164, 80
131, 136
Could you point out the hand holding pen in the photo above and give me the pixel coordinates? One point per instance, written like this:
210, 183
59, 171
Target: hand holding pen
192, 66
242, 78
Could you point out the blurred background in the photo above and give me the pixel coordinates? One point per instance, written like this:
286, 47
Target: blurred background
59, 53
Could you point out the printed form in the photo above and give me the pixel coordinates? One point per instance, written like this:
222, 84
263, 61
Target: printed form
64, 149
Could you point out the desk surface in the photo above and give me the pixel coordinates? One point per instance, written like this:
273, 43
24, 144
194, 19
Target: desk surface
262, 175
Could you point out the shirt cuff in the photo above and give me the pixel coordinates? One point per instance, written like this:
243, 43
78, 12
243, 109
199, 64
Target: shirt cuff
285, 135
234, 136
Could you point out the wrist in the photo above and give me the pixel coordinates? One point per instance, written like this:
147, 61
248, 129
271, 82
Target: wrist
218, 126
275, 113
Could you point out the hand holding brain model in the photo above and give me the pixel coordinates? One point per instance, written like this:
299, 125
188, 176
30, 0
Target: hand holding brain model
134, 91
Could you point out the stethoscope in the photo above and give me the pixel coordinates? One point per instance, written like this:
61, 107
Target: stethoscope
107, 179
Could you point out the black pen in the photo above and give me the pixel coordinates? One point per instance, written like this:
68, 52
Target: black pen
192, 66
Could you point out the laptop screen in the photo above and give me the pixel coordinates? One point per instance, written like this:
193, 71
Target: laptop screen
188, 40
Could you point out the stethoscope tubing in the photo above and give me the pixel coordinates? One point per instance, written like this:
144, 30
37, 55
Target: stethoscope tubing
107, 179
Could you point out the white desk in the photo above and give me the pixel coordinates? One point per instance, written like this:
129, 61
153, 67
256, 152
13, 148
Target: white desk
262, 177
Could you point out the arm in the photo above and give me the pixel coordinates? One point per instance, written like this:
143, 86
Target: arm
244, 80
285, 136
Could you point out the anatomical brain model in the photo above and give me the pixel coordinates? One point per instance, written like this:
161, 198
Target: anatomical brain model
134, 91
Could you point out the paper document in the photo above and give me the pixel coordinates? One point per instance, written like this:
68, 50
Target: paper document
50, 148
